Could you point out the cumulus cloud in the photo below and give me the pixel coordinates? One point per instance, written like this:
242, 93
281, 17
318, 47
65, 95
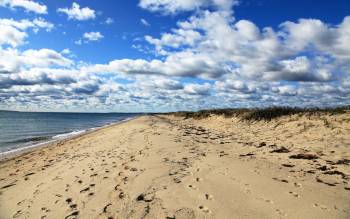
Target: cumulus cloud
168, 84
11, 36
77, 13
45, 58
215, 45
176, 6
28, 5
13, 32
197, 89
13, 61
207, 60
92, 36
182, 64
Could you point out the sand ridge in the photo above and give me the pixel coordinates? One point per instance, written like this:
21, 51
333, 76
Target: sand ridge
169, 167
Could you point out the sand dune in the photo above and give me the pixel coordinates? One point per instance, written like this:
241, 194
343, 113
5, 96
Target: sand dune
170, 167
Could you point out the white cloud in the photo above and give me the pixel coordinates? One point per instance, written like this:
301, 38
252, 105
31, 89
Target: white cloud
144, 22
242, 49
208, 60
109, 21
66, 51
167, 84
13, 61
78, 42
285, 90
176, 6
44, 58
197, 89
42, 23
77, 13
24, 24
11, 36
13, 33
93, 36
28, 5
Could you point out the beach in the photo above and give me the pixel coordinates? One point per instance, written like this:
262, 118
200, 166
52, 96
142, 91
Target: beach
166, 166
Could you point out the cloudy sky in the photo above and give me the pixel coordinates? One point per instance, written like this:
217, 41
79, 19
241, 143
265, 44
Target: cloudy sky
166, 55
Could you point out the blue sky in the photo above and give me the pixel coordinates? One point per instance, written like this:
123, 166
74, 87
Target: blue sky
150, 55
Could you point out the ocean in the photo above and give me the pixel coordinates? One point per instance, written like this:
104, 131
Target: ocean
19, 130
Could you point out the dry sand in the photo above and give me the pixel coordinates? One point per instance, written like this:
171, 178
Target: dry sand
168, 167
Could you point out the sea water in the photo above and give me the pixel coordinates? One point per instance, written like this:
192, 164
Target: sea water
19, 130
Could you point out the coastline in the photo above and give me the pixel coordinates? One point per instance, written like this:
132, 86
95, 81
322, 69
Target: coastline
165, 166
6, 155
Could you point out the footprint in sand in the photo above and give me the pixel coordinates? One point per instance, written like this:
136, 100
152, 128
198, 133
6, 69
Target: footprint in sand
21, 202
185, 213
247, 191
72, 215
204, 209
320, 206
281, 213
17, 214
265, 200
69, 200
295, 194
192, 187
73, 206
209, 197
199, 179
297, 185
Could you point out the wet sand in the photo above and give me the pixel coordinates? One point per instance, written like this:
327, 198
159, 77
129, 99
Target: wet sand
169, 167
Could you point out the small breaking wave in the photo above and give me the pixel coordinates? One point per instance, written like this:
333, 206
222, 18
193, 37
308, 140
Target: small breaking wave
69, 134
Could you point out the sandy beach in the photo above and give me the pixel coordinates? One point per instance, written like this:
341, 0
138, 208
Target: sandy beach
164, 166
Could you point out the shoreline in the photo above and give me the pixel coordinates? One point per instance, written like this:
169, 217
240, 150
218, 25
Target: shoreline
6, 155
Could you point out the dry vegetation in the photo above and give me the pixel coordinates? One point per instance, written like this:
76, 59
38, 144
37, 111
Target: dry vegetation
265, 114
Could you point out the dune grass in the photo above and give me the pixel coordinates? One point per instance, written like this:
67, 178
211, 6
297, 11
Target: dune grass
261, 114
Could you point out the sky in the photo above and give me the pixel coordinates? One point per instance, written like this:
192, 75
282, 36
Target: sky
171, 55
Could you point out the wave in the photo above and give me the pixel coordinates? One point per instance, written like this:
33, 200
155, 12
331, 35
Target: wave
69, 134
21, 149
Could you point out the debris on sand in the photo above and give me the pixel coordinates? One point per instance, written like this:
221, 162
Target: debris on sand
281, 150
304, 156
262, 144
244, 155
342, 161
